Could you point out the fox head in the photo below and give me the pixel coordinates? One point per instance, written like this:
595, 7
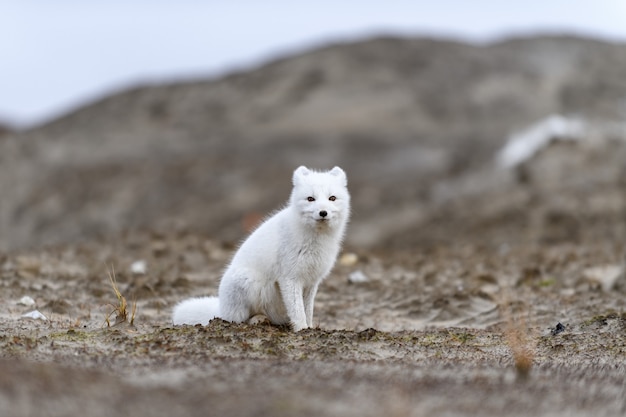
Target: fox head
321, 198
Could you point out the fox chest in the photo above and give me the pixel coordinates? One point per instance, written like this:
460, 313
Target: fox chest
310, 264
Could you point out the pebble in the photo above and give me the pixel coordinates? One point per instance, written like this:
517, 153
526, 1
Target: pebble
559, 328
139, 267
357, 277
26, 301
35, 315
348, 259
606, 275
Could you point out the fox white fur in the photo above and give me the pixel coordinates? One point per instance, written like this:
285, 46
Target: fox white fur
278, 268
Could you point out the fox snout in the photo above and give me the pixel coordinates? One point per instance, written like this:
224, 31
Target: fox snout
325, 214
321, 215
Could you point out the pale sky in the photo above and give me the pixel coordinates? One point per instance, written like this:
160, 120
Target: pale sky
58, 54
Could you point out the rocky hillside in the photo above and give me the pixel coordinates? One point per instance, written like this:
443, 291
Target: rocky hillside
416, 123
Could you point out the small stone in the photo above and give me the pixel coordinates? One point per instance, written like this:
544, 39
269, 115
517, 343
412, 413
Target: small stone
348, 259
139, 267
606, 275
35, 315
357, 277
559, 328
26, 301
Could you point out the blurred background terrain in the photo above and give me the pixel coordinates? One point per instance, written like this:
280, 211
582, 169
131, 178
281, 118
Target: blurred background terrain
417, 123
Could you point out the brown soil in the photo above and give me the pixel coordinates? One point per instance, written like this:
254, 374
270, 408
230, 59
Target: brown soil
454, 330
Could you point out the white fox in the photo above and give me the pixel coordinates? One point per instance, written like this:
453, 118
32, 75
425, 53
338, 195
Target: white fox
278, 268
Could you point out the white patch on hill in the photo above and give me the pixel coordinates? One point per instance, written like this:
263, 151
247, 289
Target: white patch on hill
522, 146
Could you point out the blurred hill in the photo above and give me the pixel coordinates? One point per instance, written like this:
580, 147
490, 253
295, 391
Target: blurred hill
4, 130
416, 123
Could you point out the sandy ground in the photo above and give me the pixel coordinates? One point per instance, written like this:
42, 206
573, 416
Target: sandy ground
455, 330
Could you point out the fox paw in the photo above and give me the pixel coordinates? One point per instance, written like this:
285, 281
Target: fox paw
297, 327
259, 319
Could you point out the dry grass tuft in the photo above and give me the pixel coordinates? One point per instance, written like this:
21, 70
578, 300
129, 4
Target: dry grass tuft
121, 309
522, 346
519, 337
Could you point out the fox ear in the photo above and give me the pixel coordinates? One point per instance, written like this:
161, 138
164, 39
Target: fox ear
301, 171
340, 174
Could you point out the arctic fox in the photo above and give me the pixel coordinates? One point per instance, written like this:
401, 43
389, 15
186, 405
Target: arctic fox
278, 268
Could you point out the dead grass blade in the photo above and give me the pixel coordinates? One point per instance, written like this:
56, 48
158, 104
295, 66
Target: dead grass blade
121, 308
519, 338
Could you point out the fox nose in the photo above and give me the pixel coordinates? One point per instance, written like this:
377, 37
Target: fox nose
323, 213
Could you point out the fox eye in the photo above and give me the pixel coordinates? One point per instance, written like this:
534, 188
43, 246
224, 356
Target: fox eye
310, 199
332, 198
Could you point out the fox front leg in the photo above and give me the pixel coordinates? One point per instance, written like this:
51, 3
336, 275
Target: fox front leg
309, 299
293, 297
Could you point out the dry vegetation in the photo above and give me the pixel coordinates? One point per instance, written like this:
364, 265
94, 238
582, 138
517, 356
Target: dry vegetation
121, 309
